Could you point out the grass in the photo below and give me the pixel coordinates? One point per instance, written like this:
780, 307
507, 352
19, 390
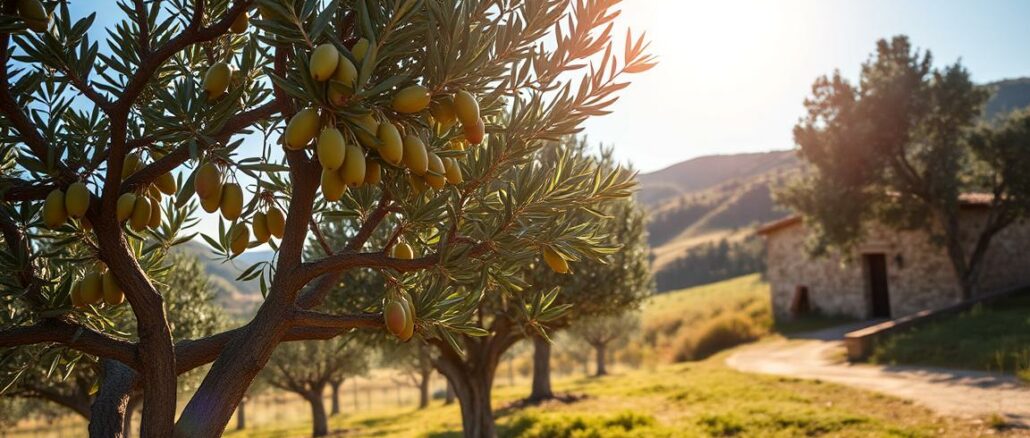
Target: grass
697, 399
993, 337
694, 323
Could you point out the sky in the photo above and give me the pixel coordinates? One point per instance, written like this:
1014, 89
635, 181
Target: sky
732, 75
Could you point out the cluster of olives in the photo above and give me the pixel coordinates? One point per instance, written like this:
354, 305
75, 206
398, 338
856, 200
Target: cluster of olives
98, 285
34, 15
345, 164
215, 194
399, 314
143, 210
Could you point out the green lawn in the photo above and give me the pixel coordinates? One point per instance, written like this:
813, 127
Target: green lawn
696, 399
992, 337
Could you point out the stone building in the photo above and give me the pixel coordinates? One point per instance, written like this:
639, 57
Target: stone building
891, 273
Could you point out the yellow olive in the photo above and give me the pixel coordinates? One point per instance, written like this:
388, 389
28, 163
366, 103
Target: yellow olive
302, 128
556, 261
240, 24
353, 171
417, 183
260, 225
126, 203
231, 203
323, 61
130, 165
92, 288
359, 49
54, 212
34, 14
415, 156
155, 214
395, 317
165, 182
411, 99
466, 107
345, 74
391, 147
367, 136
443, 111
409, 320
212, 203
216, 81
140, 214
373, 172
208, 181
474, 132
113, 293
239, 238
331, 148
276, 222
268, 13
76, 295
435, 175
154, 192
333, 185
402, 251
452, 171
76, 201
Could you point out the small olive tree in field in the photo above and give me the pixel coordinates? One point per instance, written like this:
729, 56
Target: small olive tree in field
307, 368
600, 332
424, 116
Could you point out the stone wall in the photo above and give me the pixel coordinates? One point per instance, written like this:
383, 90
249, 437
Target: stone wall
920, 275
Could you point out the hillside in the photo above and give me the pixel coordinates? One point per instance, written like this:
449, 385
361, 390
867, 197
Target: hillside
703, 210
238, 298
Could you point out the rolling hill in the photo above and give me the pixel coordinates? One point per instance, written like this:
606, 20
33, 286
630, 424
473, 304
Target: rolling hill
238, 298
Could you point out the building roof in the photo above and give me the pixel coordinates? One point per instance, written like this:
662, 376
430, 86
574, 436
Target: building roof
966, 200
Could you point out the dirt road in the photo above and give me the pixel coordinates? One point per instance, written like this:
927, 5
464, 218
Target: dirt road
820, 355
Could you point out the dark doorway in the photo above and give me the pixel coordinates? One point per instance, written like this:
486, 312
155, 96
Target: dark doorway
876, 265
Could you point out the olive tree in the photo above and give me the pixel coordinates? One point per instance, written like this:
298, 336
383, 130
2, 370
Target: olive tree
307, 368
599, 332
429, 113
617, 283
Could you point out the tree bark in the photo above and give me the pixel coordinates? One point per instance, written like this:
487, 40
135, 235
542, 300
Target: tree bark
477, 418
319, 422
241, 414
600, 348
423, 387
109, 407
334, 387
541, 370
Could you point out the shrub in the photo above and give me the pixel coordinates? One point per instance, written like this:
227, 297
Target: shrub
625, 424
715, 335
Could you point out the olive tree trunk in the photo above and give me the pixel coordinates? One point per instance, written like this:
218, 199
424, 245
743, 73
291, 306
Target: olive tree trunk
319, 421
541, 370
449, 394
600, 348
423, 387
107, 417
241, 414
334, 388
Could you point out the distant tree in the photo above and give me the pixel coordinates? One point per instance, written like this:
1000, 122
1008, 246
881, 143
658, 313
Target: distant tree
713, 261
616, 283
896, 148
307, 368
414, 362
600, 332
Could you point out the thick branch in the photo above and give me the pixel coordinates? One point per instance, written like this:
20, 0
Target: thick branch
345, 260
72, 336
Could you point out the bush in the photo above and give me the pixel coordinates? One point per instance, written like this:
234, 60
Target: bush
716, 335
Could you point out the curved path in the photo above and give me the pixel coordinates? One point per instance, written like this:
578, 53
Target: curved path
820, 355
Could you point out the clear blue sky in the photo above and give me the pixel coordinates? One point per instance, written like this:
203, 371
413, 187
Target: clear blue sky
733, 74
